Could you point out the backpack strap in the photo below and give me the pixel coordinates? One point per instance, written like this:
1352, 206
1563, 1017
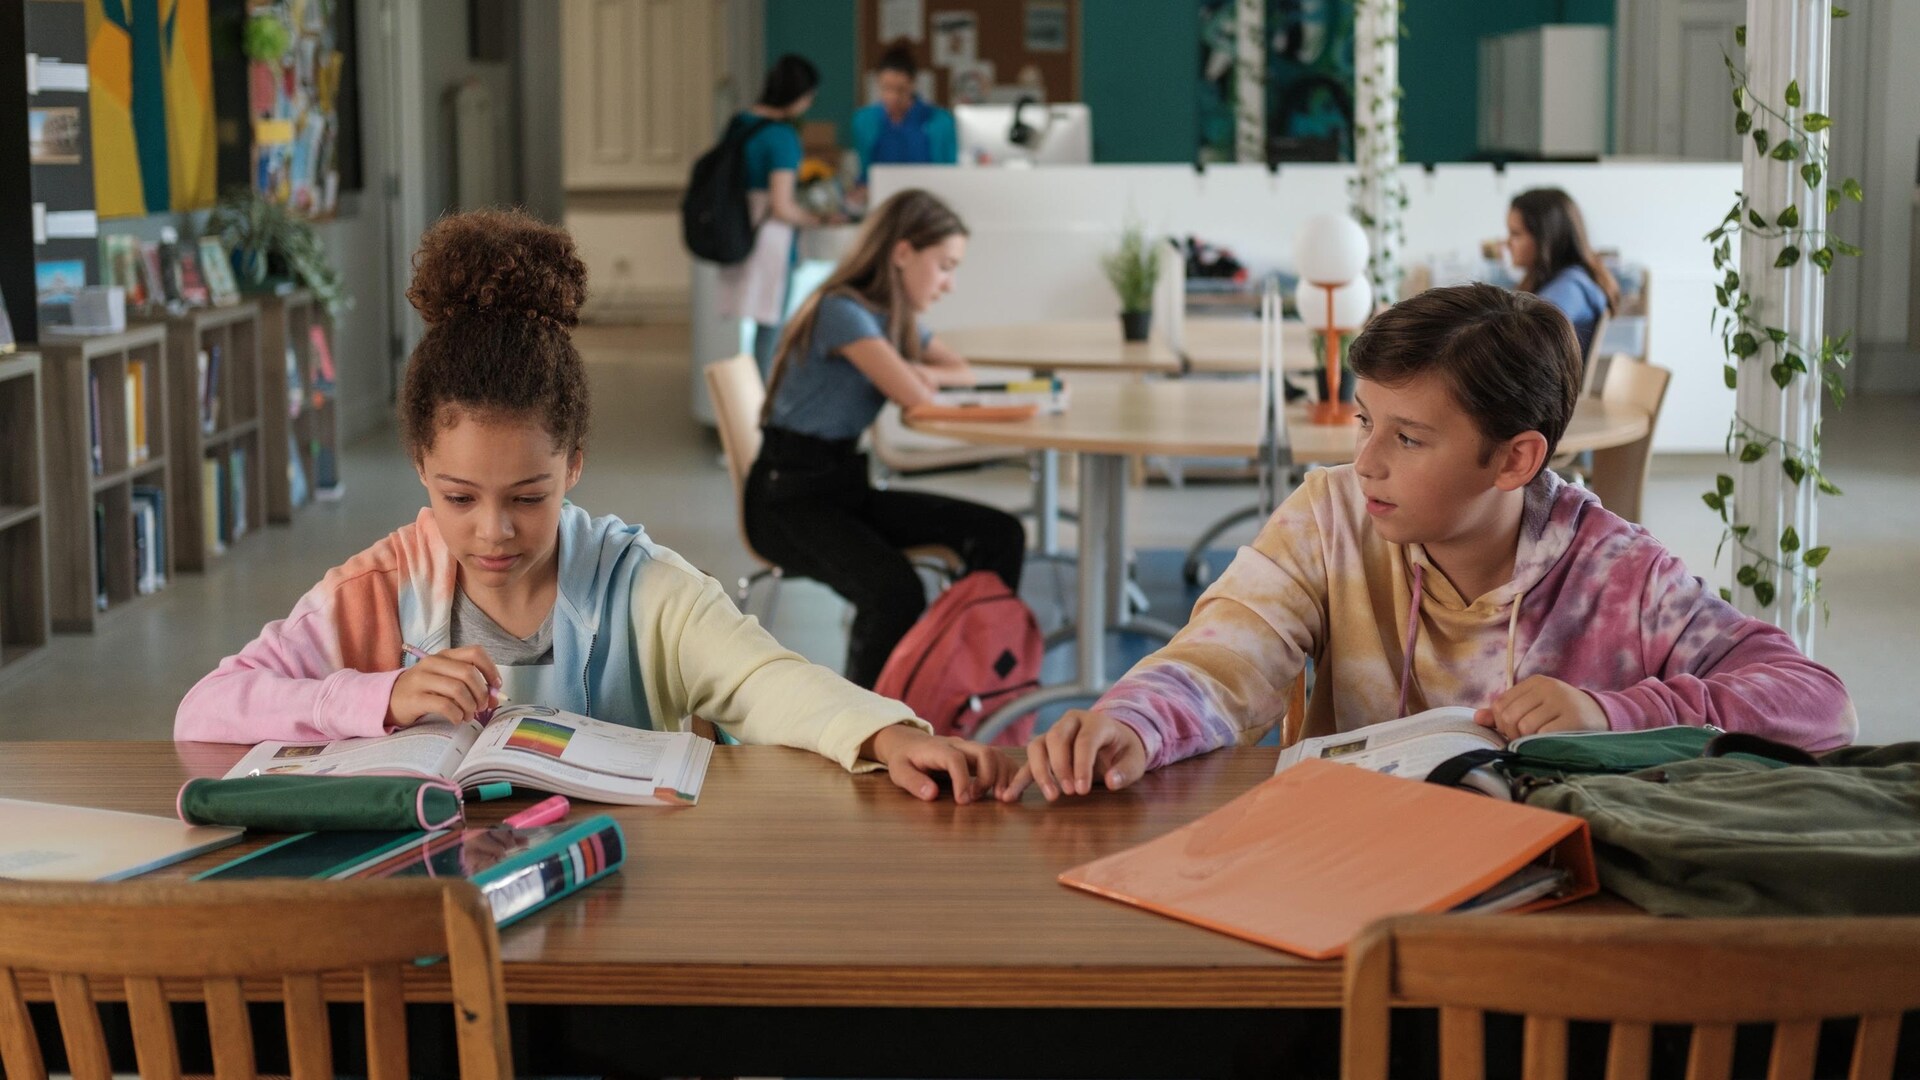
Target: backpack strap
1450, 772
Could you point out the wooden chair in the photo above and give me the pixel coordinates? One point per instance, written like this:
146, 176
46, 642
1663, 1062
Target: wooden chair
739, 395
120, 941
1619, 474
1593, 369
1633, 971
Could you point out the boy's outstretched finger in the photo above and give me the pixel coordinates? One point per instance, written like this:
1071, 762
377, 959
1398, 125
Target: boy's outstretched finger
1092, 742
1121, 763
1040, 766
1023, 776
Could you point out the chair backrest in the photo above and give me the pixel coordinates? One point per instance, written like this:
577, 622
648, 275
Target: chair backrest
1620, 472
1634, 971
1591, 374
739, 394
236, 939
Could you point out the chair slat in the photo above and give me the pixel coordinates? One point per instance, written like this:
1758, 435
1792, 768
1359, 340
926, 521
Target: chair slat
1873, 1047
19, 1048
229, 1029
386, 1025
154, 1045
1630, 1051
1463, 1044
309, 1049
1794, 1043
1543, 1051
1711, 1055
80, 1027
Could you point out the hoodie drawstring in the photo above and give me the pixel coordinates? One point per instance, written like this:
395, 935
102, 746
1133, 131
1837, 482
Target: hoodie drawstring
1413, 634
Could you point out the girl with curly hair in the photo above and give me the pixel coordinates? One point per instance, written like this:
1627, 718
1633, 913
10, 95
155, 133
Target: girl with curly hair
505, 586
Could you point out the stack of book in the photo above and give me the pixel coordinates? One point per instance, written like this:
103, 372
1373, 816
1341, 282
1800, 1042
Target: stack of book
149, 539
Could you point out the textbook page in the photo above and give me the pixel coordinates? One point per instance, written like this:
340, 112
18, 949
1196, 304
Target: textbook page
431, 748
576, 755
1410, 746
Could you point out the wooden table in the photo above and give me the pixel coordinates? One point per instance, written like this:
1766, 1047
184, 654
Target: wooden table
1052, 348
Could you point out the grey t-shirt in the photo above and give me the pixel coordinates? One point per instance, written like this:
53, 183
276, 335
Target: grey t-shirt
471, 626
822, 394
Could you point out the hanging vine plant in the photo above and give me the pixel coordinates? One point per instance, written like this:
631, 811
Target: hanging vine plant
1795, 139
1377, 147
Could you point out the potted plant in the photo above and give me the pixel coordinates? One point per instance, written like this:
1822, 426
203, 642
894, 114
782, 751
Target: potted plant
271, 244
1133, 270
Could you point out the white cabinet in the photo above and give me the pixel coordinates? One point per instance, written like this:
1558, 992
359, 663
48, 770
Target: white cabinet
1543, 92
637, 85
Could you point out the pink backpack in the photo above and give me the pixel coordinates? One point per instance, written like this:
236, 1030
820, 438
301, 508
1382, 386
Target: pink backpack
976, 648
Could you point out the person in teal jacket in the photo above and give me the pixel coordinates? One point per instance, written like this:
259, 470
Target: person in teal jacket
902, 128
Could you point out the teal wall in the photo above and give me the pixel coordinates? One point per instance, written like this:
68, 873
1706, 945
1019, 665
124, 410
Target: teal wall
1139, 67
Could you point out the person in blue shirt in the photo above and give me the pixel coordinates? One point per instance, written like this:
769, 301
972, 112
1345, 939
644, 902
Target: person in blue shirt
1547, 242
902, 128
756, 287
856, 343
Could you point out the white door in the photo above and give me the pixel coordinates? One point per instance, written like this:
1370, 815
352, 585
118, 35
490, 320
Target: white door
1674, 97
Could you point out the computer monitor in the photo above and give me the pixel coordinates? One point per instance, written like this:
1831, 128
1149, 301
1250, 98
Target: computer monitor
1059, 134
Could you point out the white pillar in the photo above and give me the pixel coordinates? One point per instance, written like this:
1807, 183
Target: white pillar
1250, 81
1379, 196
1787, 56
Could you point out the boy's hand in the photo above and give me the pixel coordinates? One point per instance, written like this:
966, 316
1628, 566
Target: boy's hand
1539, 703
457, 684
911, 755
1078, 746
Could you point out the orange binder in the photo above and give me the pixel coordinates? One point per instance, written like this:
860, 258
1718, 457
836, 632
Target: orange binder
1308, 858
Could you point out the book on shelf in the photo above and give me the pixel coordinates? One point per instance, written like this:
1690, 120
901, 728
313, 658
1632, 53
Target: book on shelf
322, 358
153, 281
210, 500
216, 266
99, 555
193, 287
49, 842
94, 451
1312, 855
531, 746
168, 253
139, 451
326, 474
210, 390
237, 496
295, 391
296, 473
150, 507
120, 265
518, 871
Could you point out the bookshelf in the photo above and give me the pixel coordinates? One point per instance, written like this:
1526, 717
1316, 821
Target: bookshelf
215, 424
102, 398
23, 522
299, 415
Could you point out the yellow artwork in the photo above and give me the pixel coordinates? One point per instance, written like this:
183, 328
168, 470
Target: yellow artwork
151, 94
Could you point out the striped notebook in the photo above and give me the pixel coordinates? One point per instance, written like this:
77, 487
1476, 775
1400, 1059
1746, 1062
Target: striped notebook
519, 871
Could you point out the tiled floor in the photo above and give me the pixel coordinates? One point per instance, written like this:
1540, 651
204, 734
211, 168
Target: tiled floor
651, 462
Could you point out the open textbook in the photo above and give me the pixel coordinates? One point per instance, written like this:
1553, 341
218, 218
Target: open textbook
529, 745
1411, 746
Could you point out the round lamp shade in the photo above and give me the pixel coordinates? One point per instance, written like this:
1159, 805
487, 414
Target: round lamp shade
1330, 249
1352, 303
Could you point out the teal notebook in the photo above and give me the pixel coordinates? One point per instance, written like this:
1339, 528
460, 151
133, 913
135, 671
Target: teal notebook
519, 871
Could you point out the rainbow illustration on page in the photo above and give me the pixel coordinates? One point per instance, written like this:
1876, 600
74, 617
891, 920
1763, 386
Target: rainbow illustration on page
544, 737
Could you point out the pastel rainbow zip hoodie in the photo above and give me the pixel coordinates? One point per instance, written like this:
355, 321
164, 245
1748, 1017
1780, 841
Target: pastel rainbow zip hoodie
640, 636
1595, 601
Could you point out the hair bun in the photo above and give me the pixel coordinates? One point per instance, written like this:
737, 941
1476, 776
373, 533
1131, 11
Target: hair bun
503, 263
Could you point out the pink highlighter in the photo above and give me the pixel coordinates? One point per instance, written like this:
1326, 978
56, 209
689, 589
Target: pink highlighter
545, 812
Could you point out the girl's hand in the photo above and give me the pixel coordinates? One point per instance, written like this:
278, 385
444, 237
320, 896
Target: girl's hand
457, 684
1078, 747
1539, 703
913, 758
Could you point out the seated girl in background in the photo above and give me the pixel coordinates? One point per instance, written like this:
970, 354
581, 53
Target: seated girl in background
852, 347
506, 585
1547, 241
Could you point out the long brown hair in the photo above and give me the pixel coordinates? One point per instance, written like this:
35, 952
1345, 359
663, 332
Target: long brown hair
867, 274
1559, 234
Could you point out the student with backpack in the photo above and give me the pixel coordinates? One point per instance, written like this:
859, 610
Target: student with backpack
502, 585
768, 157
1448, 566
856, 344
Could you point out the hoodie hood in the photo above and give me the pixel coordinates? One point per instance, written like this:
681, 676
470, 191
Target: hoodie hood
598, 558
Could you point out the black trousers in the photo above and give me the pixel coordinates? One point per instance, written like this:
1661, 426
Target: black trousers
810, 509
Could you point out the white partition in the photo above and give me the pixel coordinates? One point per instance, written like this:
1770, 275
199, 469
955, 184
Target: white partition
1038, 235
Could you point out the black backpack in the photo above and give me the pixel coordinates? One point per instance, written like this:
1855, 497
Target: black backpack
714, 219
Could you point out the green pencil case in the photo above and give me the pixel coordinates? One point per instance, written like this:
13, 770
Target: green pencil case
322, 803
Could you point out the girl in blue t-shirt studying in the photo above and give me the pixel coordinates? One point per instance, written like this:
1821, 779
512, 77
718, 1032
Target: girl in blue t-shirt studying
1547, 242
853, 346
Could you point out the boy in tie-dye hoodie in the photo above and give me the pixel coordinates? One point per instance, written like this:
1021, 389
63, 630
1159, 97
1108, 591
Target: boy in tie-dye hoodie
502, 585
1449, 566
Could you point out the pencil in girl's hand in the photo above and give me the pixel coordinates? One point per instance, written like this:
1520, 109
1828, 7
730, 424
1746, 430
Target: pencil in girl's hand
498, 695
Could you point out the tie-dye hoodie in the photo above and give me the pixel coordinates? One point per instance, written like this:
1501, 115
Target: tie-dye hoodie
1595, 601
642, 638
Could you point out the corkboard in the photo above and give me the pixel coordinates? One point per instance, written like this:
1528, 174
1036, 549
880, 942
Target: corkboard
1000, 35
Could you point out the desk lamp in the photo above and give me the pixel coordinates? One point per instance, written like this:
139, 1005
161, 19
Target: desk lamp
1331, 253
